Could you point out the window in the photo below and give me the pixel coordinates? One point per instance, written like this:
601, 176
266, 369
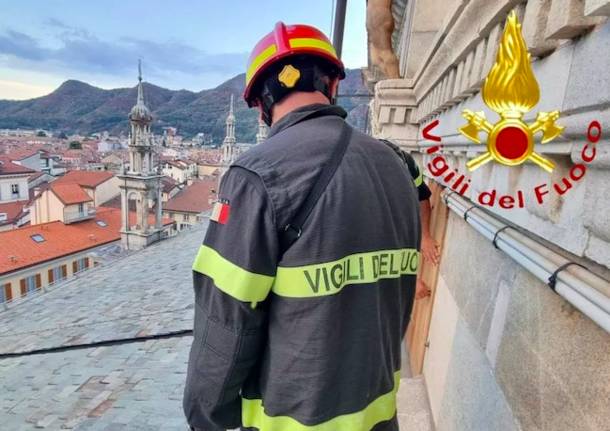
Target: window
81, 208
186, 217
37, 238
101, 223
15, 189
81, 264
6, 294
30, 283
58, 274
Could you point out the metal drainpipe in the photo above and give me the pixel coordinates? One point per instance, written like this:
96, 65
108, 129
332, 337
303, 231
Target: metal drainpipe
339, 26
582, 288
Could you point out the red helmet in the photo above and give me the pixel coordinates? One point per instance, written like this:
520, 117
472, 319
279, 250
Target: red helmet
283, 41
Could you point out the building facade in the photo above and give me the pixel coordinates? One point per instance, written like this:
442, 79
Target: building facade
514, 335
179, 170
189, 206
13, 181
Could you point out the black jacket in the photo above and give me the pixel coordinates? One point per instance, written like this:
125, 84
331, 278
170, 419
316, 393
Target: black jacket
310, 339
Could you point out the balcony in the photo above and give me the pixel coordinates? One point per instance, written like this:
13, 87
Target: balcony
73, 215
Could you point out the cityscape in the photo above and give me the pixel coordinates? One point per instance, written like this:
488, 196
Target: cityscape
109, 185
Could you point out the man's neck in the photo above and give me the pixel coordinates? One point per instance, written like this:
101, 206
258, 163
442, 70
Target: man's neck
296, 100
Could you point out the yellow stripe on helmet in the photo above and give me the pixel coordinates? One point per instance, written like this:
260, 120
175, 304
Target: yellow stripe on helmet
306, 42
258, 60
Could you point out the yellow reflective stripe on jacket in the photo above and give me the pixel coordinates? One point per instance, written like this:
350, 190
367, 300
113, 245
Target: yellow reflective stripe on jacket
330, 277
381, 409
419, 180
231, 279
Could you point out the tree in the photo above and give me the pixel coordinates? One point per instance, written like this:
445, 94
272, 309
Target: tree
75, 145
62, 135
41, 134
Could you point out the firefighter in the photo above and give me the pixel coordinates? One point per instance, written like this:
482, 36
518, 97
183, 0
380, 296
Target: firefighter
305, 280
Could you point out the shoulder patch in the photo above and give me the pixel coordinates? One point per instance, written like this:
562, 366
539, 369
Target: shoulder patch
220, 212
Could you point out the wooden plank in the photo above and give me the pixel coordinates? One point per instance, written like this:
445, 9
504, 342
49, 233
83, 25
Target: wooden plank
417, 333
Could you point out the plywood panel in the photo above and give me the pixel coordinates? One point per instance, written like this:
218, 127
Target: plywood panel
417, 332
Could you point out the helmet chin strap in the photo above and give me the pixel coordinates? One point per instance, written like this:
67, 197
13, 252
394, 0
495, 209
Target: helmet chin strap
312, 78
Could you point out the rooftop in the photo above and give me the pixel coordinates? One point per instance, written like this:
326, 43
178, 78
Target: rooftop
85, 178
19, 250
36, 175
194, 198
12, 210
135, 385
9, 168
168, 184
70, 193
22, 154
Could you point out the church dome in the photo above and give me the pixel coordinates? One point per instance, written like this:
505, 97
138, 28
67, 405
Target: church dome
140, 112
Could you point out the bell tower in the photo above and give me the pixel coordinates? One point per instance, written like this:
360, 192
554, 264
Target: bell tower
228, 144
261, 134
141, 182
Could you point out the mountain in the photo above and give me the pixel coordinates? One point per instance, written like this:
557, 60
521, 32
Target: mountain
77, 107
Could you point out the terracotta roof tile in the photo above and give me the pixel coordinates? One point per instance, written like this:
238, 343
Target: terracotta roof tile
9, 168
19, 250
21, 154
12, 211
168, 184
70, 193
194, 198
85, 178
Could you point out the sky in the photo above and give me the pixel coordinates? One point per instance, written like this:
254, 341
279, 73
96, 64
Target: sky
190, 44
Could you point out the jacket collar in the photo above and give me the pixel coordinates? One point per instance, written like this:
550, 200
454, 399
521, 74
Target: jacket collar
305, 113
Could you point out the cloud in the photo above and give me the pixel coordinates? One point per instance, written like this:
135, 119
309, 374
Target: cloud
77, 50
21, 45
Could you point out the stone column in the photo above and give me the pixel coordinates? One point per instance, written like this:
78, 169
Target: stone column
144, 212
124, 210
159, 218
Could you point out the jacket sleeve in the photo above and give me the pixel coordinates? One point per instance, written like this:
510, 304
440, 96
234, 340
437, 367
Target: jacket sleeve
232, 276
423, 191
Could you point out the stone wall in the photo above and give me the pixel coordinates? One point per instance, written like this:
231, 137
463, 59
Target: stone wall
506, 352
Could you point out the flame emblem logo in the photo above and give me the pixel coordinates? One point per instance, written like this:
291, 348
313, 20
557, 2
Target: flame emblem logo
511, 90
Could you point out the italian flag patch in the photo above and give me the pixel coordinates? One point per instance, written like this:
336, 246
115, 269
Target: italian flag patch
220, 212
